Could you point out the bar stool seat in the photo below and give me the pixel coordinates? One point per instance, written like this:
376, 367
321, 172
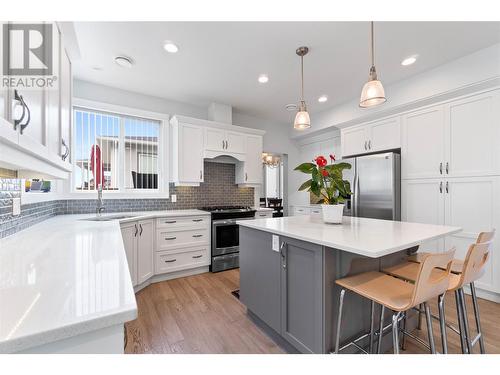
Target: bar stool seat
409, 271
386, 290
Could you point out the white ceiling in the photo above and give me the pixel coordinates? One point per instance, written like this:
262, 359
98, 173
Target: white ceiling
220, 61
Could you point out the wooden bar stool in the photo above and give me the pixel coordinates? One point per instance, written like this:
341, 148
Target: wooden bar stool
398, 295
463, 272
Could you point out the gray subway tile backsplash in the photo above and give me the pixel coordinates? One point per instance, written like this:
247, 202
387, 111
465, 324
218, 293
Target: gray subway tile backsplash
218, 189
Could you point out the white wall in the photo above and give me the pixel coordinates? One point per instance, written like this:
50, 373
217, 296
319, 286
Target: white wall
451, 79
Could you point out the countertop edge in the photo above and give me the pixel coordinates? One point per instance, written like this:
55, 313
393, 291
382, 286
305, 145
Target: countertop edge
68, 331
376, 254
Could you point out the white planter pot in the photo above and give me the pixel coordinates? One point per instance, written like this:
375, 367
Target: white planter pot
332, 213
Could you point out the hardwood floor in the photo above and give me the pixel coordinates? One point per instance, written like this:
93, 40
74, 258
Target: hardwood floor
198, 314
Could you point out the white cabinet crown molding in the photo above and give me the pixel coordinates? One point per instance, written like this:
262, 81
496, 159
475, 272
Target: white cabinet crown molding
219, 125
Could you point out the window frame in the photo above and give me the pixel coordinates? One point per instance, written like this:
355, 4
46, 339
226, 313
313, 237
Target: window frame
163, 154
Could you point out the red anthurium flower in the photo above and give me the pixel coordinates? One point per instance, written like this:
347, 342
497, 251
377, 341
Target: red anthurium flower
324, 172
332, 157
321, 161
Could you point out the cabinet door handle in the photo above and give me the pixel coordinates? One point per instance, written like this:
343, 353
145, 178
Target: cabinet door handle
447, 189
197, 220
23, 126
227, 145
18, 98
365, 146
140, 234
170, 238
441, 187
197, 256
170, 261
66, 153
223, 145
447, 168
197, 235
282, 253
201, 175
441, 168
369, 145
136, 230
171, 222
246, 176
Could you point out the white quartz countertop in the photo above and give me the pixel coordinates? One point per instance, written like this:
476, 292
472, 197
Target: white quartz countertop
369, 237
64, 277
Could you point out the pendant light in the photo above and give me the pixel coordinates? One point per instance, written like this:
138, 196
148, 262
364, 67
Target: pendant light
302, 120
373, 92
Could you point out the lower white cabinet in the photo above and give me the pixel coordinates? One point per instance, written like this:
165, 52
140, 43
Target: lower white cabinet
265, 214
164, 245
169, 261
471, 203
138, 240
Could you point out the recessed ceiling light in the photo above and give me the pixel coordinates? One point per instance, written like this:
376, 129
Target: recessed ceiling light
322, 98
409, 60
291, 107
263, 78
124, 61
170, 47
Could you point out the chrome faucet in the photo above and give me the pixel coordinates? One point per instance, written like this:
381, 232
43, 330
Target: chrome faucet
100, 204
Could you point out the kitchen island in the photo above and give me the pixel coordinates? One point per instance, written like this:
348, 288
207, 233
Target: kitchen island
288, 268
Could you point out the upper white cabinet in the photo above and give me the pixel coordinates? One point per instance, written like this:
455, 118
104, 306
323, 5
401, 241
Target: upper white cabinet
193, 140
221, 140
473, 134
422, 152
34, 145
454, 139
354, 141
186, 150
371, 137
250, 171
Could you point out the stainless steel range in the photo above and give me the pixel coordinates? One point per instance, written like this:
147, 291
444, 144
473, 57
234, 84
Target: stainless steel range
225, 235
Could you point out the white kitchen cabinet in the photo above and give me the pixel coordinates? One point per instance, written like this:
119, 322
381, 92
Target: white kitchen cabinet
129, 234
53, 100
354, 141
215, 139
250, 171
473, 134
384, 135
423, 149
422, 201
473, 203
138, 241
221, 140
187, 153
36, 149
145, 250
235, 142
375, 136
330, 146
66, 111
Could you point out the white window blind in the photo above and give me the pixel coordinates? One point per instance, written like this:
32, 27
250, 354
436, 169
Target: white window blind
117, 151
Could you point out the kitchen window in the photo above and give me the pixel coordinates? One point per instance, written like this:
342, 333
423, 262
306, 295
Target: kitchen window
118, 151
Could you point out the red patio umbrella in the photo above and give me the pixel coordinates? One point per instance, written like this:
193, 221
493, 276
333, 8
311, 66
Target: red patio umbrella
96, 165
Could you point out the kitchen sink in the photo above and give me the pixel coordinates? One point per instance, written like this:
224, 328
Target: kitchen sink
107, 218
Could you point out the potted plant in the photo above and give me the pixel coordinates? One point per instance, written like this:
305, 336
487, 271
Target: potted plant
328, 184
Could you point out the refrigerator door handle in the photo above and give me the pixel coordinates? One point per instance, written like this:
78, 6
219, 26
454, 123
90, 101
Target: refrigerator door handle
355, 195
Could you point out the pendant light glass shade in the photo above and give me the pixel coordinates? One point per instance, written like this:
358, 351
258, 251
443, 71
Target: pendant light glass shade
373, 92
302, 120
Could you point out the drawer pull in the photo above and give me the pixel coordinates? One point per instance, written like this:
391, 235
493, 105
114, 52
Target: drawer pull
197, 220
170, 261
197, 235
262, 215
197, 256
170, 238
171, 222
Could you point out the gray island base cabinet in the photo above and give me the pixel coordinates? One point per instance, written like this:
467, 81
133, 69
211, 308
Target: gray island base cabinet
291, 292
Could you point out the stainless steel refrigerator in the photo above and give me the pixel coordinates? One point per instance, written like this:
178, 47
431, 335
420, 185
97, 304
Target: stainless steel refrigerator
376, 186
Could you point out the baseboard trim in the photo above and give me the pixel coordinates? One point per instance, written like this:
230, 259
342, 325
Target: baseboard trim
170, 276
484, 294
